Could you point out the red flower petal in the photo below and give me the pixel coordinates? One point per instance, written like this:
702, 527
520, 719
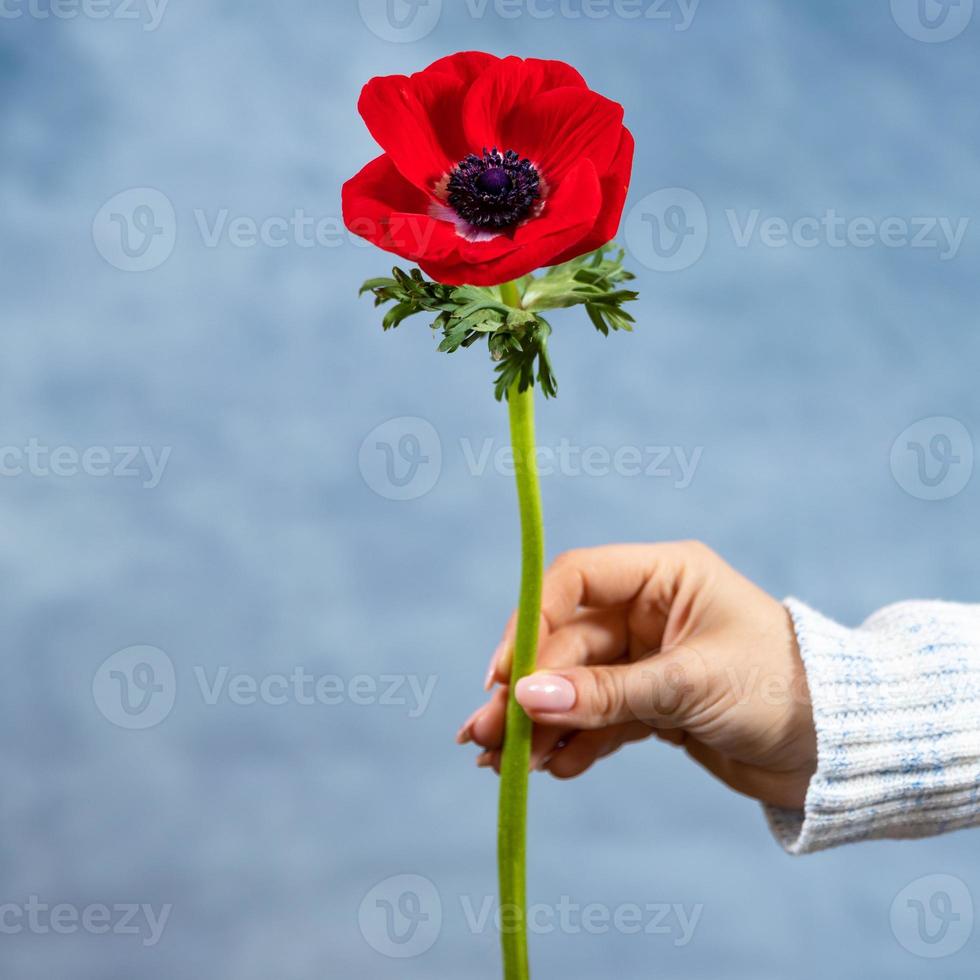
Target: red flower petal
510, 82
614, 187
401, 113
561, 126
383, 207
465, 66
554, 74
444, 102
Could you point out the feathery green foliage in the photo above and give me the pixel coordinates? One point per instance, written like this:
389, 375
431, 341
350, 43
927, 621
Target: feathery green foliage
517, 338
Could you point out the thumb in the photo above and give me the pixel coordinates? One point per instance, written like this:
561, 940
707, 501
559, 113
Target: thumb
663, 690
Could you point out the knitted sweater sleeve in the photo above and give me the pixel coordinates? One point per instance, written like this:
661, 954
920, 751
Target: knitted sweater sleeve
896, 704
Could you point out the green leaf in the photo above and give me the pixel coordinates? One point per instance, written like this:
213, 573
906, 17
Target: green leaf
517, 339
591, 280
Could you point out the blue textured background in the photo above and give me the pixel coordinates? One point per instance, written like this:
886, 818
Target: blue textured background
263, 547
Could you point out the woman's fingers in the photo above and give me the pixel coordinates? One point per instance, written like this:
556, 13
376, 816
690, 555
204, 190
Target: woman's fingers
576, 752
666, 690
499, 669
486, 725
613, 575
544, 741
594, 637
586, 748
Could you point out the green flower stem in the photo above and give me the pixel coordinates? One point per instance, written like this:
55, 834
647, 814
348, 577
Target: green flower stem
512, 821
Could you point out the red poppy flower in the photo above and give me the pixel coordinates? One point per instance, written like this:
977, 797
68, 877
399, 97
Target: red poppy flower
493, 167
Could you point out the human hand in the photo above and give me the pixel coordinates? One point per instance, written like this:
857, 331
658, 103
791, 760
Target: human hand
665, 640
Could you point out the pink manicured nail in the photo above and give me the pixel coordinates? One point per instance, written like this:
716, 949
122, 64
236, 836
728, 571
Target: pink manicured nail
465, 734
492, 670
545, 692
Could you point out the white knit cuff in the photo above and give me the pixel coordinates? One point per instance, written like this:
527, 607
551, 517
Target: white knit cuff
896, 704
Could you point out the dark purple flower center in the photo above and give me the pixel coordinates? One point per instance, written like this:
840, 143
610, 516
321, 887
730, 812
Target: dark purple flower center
494, 190
494, 181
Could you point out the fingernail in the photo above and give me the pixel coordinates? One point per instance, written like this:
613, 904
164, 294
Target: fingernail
492, 669
484, 759
465, 734
545, 692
